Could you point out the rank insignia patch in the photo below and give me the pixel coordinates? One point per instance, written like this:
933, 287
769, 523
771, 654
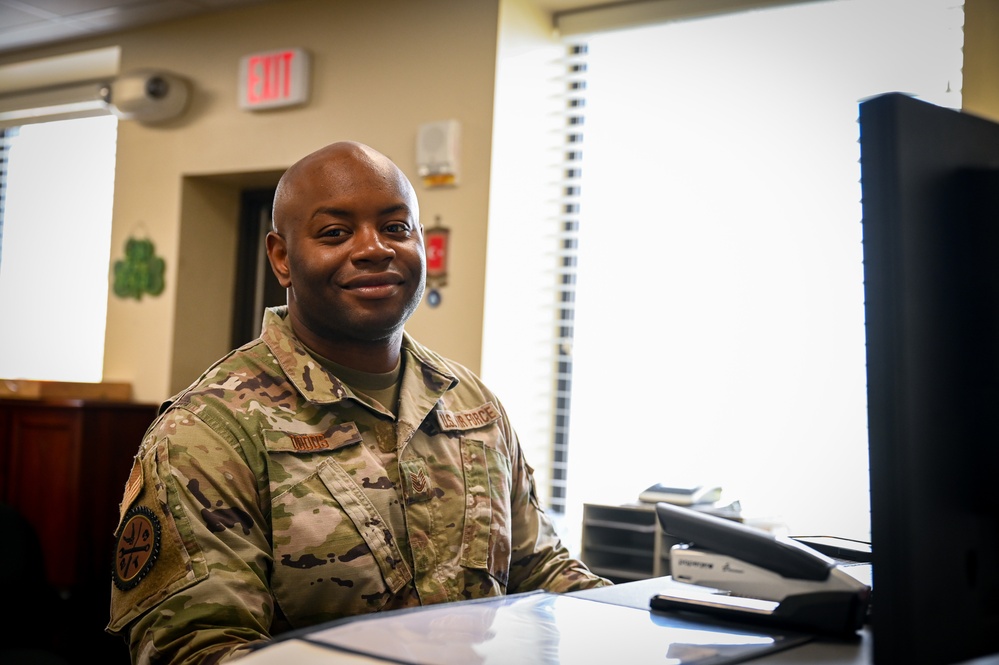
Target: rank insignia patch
416, 482
137, 548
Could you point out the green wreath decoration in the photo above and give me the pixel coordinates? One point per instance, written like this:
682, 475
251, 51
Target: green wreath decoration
141, 271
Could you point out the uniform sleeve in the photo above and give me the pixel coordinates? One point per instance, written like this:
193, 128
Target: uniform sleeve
539, 559
192, 554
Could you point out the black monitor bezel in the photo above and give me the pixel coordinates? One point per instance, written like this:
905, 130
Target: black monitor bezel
930, 177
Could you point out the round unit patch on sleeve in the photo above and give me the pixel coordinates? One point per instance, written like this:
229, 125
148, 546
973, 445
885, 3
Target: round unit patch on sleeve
137, 547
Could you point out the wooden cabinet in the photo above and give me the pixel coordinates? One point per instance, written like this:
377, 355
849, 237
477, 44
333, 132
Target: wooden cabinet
63, 465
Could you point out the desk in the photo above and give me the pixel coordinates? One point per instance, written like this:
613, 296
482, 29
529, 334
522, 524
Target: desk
300, 649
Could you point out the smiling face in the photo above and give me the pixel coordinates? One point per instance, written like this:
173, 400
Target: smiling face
348, 246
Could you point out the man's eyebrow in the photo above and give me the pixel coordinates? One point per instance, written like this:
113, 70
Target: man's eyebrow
391, 210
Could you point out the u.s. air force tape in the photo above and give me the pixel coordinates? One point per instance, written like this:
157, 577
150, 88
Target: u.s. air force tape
466, 420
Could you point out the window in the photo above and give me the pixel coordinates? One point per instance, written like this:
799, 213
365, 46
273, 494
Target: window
719, 311
717, 329
55, 230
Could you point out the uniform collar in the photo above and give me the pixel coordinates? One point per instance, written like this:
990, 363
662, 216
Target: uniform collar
318, 385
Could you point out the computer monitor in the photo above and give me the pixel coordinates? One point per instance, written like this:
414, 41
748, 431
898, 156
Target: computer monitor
930, 182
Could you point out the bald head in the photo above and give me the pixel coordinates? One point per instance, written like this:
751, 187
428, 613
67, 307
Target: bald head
334, 169
348, 247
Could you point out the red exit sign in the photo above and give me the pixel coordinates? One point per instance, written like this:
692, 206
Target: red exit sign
273, 79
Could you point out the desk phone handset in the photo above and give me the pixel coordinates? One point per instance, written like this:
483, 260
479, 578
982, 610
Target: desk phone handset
743, 573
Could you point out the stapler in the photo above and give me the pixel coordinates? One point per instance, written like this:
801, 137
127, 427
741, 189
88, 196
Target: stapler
742, 573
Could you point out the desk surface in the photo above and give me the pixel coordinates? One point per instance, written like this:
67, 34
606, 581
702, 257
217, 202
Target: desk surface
304, 649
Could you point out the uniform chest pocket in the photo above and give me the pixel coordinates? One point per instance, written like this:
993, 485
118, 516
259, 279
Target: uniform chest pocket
334, 554
486, 537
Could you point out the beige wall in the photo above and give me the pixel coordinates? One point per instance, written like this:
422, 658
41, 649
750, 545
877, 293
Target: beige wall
980, 92
380, 68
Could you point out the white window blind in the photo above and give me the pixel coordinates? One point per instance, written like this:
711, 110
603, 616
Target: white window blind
719, 324
55, 230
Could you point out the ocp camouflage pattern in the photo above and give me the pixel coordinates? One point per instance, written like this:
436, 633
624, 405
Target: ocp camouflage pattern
281, 499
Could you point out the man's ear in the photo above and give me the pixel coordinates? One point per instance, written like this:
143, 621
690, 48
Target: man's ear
277, 254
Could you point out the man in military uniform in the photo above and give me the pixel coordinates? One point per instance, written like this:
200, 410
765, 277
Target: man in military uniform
334, 466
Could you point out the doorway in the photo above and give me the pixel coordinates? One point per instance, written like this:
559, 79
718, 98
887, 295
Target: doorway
256, 286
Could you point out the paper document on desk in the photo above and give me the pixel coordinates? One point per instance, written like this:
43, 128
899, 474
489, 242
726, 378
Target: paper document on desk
542, 628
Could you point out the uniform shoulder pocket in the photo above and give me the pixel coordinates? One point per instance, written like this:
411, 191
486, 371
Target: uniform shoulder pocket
152, 559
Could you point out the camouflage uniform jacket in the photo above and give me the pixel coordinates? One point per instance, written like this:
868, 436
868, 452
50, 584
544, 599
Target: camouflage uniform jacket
268, 496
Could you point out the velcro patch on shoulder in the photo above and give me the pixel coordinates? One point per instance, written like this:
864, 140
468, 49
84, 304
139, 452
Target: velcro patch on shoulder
151, 559
132, 489
344, 434
137, 547
466, 420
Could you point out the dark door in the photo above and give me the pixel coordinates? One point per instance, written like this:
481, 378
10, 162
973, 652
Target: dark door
256, 286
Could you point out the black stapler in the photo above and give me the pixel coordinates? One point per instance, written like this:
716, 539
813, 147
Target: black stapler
742, 573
